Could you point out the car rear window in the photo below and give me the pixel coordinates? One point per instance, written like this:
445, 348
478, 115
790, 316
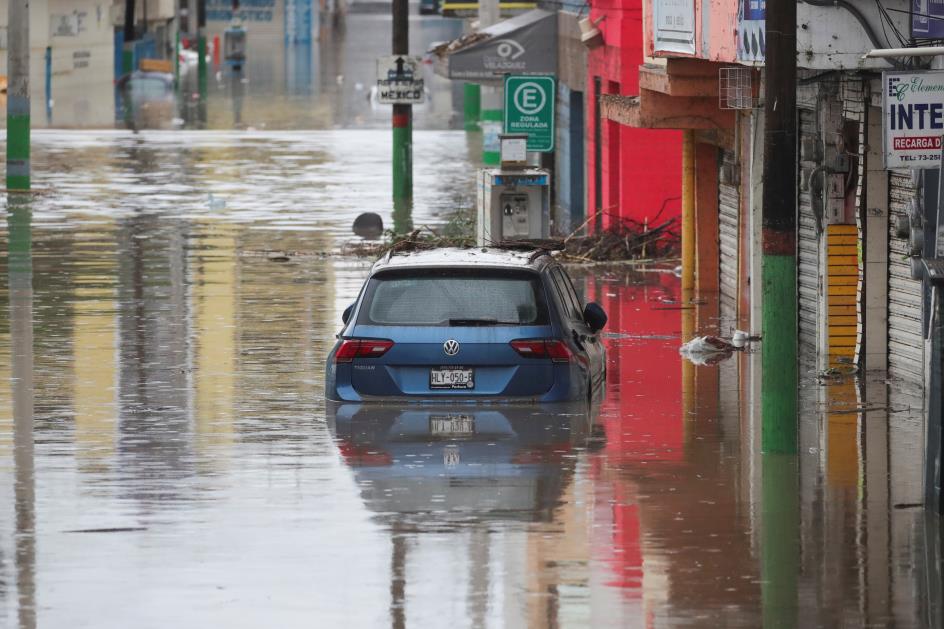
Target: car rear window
444, 297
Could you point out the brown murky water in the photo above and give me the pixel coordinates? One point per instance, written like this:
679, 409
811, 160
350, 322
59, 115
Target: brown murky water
182, 469
167, 458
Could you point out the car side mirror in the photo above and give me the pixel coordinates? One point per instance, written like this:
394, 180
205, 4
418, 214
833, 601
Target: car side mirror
594, 316
346, 315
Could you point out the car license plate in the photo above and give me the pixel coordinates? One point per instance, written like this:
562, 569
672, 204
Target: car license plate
451, 378
451, 425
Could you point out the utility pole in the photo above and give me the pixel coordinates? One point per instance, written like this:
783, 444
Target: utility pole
778, 266
491, 96
471, 106
201, 58
18, 96
402, 129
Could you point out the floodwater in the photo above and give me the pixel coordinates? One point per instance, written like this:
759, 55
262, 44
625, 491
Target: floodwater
183, 470
167, 457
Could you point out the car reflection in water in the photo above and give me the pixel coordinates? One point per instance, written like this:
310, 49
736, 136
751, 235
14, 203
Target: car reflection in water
148, 99
450, 463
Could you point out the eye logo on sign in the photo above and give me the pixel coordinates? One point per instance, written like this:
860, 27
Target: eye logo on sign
529, 98
451, 347
509, 49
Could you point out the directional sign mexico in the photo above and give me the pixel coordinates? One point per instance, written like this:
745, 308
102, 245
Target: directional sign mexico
399, 80
529, 108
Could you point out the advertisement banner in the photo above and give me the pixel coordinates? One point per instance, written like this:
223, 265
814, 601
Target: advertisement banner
927, 19
674, 25
751, 40
914, 118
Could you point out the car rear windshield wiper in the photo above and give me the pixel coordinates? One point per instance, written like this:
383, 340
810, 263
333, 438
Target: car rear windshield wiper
473, 322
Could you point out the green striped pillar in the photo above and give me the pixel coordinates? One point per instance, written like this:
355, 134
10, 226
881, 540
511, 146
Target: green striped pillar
18, 143
779, 382
402, 168
18, 96
472, 106
779, 346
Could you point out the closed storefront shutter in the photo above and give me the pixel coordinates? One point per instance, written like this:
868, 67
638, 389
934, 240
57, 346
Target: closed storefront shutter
728, 206
905, 337
808, 275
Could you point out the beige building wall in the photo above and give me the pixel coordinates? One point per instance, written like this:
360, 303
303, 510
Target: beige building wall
80, 34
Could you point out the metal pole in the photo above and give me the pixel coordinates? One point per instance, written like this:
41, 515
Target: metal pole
688, 216
127, 49
18, 96
688, 264
177, 44
201, 57
402, 129
778, 266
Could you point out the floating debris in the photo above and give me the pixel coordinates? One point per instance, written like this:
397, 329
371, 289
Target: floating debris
707, 350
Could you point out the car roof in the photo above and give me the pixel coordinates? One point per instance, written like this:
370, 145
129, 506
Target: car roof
472, 257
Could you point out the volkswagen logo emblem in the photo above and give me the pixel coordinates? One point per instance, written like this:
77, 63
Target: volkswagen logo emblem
451, 347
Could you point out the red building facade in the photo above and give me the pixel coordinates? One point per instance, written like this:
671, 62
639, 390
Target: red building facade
632, 173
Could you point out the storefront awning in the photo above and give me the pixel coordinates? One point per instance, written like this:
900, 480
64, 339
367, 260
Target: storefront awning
524, 44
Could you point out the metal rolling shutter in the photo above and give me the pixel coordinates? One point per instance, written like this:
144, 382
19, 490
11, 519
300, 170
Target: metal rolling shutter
808, 275
905, 335
728, 207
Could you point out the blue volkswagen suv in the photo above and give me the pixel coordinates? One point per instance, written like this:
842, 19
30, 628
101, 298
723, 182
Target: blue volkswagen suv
468, 324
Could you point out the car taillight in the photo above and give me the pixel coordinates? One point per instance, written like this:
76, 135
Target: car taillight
556, 350
361, 348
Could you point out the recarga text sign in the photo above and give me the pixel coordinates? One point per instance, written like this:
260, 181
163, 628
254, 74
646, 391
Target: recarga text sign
914, 118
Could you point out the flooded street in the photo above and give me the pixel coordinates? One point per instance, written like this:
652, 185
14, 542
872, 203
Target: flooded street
183, 451
177, 464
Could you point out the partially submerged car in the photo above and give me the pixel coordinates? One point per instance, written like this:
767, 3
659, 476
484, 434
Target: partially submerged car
148, 99
477, 324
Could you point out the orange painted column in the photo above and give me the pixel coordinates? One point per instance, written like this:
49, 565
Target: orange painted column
707, 247
707, 271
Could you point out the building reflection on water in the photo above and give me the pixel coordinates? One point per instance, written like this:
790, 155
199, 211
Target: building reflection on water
181, 445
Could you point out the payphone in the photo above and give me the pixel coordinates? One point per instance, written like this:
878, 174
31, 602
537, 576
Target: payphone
513, 201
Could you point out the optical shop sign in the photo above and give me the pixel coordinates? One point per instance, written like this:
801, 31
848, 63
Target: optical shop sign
914, 118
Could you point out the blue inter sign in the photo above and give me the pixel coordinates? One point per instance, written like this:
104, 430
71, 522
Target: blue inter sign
927, 19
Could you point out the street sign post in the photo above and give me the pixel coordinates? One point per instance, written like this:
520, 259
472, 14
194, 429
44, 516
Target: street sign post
399, 80
529, 109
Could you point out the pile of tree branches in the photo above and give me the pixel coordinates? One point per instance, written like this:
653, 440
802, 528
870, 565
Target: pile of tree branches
626, 239
623, 239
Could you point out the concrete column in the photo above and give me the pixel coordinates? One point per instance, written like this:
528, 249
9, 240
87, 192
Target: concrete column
491, 96
876, 247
